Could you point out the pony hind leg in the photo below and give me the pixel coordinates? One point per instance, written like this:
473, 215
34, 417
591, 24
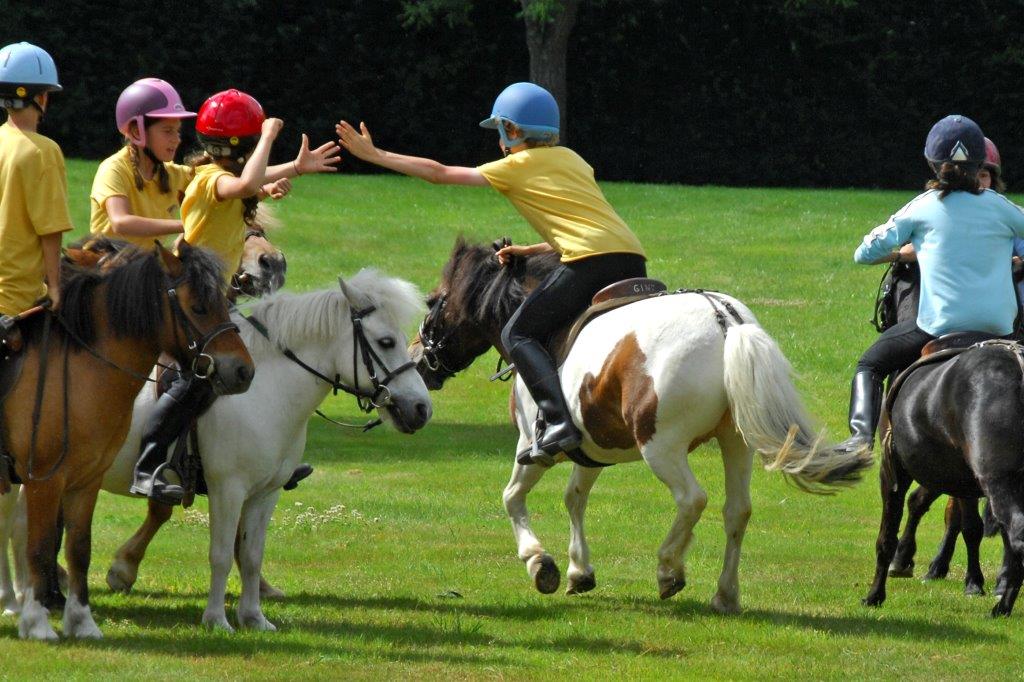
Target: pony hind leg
738, 460
78, 511
973, 530
918, 503
895, 482
8, 518
1005, 497
539, 564
939, 566
669, 463
580, 574
124, 570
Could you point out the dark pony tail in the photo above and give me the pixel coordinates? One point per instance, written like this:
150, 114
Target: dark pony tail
955, 177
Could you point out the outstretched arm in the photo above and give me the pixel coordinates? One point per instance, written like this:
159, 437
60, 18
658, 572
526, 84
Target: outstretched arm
360, 145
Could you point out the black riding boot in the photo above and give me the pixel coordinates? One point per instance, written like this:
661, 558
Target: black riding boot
171, 416
302, 471
541, 378
865, 407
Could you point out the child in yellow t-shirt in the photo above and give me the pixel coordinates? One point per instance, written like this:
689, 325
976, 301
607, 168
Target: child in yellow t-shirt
555, 191
230, 179
33, 183
136, 192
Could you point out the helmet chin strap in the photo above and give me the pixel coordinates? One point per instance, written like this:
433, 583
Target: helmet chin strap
509, 142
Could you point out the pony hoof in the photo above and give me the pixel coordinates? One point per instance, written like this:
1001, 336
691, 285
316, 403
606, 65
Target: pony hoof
974, 590
581, 584
548, 577
872, 600
1001, 611
42, 632
906, 571
268, 591
258, 623
217, 622
119, 581
667, 587
726, 606
936, 573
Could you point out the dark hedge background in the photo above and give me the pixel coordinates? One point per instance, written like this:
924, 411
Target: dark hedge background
797, 93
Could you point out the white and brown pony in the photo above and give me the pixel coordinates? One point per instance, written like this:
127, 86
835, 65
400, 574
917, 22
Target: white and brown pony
651, 380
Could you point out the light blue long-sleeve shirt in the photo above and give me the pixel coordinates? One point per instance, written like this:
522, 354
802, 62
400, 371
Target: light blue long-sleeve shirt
963, 243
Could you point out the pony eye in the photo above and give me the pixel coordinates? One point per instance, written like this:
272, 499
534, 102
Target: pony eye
387, 342
199, 309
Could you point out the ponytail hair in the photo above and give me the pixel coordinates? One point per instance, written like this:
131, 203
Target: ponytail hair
955, 177
159, 169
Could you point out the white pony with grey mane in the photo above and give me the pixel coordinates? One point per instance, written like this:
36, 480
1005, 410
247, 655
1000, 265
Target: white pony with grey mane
251, 443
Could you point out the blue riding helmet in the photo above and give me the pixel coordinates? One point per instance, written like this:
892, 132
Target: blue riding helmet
955, 139
529, 107
25, 71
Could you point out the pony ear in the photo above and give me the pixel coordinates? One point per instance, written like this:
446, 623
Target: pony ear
344, 289
170, 263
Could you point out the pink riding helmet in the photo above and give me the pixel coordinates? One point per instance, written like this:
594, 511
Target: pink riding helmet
147, 97
992, 155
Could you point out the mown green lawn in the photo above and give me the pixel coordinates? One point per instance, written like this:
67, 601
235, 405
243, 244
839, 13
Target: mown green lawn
371, 548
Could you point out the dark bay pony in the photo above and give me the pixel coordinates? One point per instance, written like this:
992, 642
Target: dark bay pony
898, 301
957, 427
70, 409
646, 381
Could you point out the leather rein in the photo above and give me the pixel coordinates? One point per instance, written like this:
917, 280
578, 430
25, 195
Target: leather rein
375, 396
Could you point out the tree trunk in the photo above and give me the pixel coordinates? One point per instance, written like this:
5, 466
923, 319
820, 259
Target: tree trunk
547, 39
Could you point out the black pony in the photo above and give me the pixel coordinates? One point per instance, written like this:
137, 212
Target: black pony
957, 427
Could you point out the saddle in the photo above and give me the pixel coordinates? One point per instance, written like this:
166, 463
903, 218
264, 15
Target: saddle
946, 347
607, 299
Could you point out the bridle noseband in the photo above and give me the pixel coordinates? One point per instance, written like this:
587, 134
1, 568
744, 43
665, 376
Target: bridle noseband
196, 340
431, 346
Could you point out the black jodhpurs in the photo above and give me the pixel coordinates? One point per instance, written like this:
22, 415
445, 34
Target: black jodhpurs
896, 348
564, 294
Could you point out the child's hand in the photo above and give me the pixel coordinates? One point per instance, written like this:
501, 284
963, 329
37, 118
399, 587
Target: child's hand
507, 253
271, 127
323, 158
359, 145
278, 190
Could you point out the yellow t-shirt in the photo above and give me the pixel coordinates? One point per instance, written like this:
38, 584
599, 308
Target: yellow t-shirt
115, 177
554, 189
33, 203
211, 222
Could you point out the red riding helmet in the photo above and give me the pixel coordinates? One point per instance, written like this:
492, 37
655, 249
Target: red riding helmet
992, 159
229, 123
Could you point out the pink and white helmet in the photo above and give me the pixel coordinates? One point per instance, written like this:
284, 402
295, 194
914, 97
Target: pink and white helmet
147, 97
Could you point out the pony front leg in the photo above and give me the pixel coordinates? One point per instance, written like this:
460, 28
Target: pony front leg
252, 533
577, 492
78, 510
225, 510
124, 570
667, 460
738, 460
43, 500
539, 564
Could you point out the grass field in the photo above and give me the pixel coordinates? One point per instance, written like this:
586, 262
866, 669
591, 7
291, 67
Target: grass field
371, 547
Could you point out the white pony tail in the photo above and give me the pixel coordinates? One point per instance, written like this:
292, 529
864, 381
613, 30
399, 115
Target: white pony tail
770, 415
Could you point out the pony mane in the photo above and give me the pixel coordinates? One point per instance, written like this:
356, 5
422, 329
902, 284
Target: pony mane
293, 318
486, 290
134, 285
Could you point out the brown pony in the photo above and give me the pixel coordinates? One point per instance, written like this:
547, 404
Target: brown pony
70, 409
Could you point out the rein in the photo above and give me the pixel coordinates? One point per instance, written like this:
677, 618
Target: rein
361, 349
